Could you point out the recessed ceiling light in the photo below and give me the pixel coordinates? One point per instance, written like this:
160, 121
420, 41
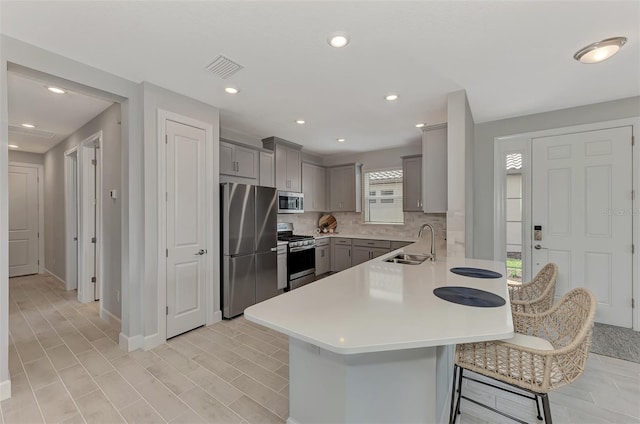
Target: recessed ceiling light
341, 140
231, 90
300, 121
419, 125
13, 146
56, 90
391, 97
600, 51
28, 125
338, 39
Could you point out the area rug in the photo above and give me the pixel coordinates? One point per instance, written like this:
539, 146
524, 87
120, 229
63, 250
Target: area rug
616, 342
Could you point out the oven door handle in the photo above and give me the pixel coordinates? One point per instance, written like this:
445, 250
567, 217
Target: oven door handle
301, 248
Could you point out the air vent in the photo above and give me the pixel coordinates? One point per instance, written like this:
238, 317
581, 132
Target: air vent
223, 67
16, 129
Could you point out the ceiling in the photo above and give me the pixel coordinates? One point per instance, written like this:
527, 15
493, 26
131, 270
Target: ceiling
55, 116
513, 58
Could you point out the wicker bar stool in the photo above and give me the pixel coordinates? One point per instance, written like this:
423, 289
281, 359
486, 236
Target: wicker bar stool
548, 351
536, 295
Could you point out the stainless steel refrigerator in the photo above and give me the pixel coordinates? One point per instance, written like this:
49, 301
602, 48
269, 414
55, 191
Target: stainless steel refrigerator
249, 246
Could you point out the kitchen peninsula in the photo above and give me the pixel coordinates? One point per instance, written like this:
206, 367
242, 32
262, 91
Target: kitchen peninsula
374, 344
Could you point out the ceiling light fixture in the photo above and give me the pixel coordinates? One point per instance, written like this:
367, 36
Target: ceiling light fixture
13, 146
338, 39
419, 125
341, 140
231, 90
56, 90
301, 121
28, 125
600, 51
391, 97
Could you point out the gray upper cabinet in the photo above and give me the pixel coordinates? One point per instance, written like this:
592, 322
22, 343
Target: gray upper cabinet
345, 188
434, 170
412, 183
314, 187
267, 169
288, 163
238, 160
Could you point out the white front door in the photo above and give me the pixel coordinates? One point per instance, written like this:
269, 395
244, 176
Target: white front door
582, 203
23, 220
186, 227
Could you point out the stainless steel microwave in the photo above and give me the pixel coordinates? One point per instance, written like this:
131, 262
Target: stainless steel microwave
290, 202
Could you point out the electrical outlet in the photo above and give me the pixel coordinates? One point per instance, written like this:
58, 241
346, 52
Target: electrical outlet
118, 296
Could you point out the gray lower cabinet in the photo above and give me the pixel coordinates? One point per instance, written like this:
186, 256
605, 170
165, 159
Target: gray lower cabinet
323, 259
340, 254
360, 255
364, 250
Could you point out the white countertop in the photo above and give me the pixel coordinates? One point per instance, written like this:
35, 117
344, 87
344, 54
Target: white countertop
380, 306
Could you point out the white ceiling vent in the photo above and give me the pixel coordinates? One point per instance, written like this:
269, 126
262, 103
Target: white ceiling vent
223, 67
16, 129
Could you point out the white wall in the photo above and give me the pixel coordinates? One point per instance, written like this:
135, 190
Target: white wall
158, 98
26, 157
376, 159
483, 154
54, 203
68, 73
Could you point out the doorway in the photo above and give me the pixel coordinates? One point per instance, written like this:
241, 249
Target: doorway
569, 200
83, 205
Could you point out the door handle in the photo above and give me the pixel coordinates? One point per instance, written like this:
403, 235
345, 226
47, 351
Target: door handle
200, 252
537, 247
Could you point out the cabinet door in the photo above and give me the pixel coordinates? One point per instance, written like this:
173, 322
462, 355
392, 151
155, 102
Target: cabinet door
246, 162
282, 183
320, 189
282, 270
377, 251
434, 171
360, 255
336, 189
322, 260
341, 258
412, 184
267, 174
293, 170
227, 161
348, 176
308, 187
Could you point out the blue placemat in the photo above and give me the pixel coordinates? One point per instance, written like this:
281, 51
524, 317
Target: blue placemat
475, 272
469, 296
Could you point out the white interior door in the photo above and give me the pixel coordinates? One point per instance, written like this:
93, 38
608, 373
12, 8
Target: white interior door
23, 220
582, 201
71, 212
186, 227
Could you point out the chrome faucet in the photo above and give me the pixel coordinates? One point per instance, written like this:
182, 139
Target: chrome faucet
433, 239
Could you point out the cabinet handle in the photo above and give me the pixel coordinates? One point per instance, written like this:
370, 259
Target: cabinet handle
322, 253
349, 252
418, 203
238, 166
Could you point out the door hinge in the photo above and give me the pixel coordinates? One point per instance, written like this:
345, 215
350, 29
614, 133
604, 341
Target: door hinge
93, 279
633, 140
633, 303
633, 195
38, 261
167, 253
633, 249
93, 240
166, 139
167, 310
166, 196
93, 162
38, 234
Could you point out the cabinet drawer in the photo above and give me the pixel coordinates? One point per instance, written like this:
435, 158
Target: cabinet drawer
372, 243
342, 241
322, 242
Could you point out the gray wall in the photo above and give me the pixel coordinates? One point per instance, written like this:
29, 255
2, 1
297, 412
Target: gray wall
26, 157
376, 159
54, 207
483, 153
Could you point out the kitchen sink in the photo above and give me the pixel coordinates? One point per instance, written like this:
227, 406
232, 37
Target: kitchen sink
408, 259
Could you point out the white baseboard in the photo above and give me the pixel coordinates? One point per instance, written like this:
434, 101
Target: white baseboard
56, 276
153, 340
113, 320
129, 344
5, 389
217, 317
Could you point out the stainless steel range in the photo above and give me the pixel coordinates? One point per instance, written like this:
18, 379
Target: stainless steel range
301, 256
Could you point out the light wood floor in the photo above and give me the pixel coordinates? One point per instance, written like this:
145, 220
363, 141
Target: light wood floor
66, 367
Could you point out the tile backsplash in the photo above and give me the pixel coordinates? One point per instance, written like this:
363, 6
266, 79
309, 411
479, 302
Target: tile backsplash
351, 223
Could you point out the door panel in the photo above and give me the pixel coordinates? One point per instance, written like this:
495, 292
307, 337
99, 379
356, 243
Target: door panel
239, 288
186, 228
266, 219
581, 196
240, 214
23, 220
266, 275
